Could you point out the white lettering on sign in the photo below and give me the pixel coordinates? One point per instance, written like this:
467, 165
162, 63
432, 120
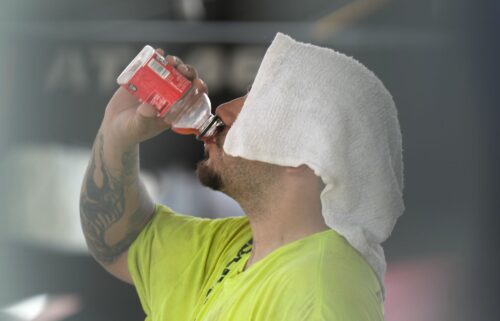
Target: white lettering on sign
244, 67
78, 70
108, 64
209, 61
67, 71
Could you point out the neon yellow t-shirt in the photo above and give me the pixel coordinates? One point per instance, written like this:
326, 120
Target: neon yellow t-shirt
178, 259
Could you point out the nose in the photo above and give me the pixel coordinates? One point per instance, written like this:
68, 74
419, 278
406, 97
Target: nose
228, 111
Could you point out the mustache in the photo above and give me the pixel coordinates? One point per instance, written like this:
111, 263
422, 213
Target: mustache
218, 141
219, 135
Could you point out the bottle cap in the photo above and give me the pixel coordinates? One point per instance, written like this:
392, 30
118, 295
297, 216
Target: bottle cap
209, 128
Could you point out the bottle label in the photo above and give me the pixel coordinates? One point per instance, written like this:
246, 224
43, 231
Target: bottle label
158, 83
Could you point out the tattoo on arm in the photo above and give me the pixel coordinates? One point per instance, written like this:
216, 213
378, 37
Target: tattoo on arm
103, 203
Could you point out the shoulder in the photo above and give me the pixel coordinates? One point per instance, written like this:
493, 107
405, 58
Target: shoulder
326, 256
332, 279
184, 237
165, 219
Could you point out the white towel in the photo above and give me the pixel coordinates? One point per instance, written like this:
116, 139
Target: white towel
312, 105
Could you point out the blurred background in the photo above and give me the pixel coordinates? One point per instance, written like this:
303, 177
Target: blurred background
59, 60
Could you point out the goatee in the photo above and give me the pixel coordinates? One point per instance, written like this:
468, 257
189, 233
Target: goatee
208, 176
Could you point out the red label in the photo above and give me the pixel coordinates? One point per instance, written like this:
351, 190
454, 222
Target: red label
158, 84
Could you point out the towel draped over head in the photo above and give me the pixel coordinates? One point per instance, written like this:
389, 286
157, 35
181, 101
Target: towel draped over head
312, 105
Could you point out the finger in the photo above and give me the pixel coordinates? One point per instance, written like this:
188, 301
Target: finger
124, 98
166, 122
200, 84
188, 71
173, 60
147, 110
160, 51
122, 92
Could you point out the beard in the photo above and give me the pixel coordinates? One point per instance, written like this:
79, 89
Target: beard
236, 177
208, 176
249, 183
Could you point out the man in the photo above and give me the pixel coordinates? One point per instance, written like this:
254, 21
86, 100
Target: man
318, 203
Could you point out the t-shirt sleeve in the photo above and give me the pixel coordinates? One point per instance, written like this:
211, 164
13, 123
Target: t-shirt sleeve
174, 255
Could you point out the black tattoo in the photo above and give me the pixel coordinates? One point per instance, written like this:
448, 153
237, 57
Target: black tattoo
102, 204
129, 162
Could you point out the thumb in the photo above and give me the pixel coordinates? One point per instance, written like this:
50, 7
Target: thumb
147, 110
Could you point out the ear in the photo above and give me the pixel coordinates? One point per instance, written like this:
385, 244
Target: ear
306, 171
297, 170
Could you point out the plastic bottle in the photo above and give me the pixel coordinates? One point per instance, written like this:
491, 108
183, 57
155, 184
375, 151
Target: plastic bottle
152, 80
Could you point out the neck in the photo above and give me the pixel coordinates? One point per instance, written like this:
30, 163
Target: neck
282, 218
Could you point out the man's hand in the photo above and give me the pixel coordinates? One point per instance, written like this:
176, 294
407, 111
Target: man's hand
129, 122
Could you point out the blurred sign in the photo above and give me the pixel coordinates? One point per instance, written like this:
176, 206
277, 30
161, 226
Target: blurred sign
81, 70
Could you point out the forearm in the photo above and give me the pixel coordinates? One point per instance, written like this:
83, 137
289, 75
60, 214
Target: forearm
114, 203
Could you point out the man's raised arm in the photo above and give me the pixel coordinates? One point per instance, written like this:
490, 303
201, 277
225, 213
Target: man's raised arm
114, 203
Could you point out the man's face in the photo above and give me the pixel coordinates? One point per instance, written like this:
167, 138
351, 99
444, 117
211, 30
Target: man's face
240, 178
209, 170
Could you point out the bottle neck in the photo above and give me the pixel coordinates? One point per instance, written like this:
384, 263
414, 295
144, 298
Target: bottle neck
209, 127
